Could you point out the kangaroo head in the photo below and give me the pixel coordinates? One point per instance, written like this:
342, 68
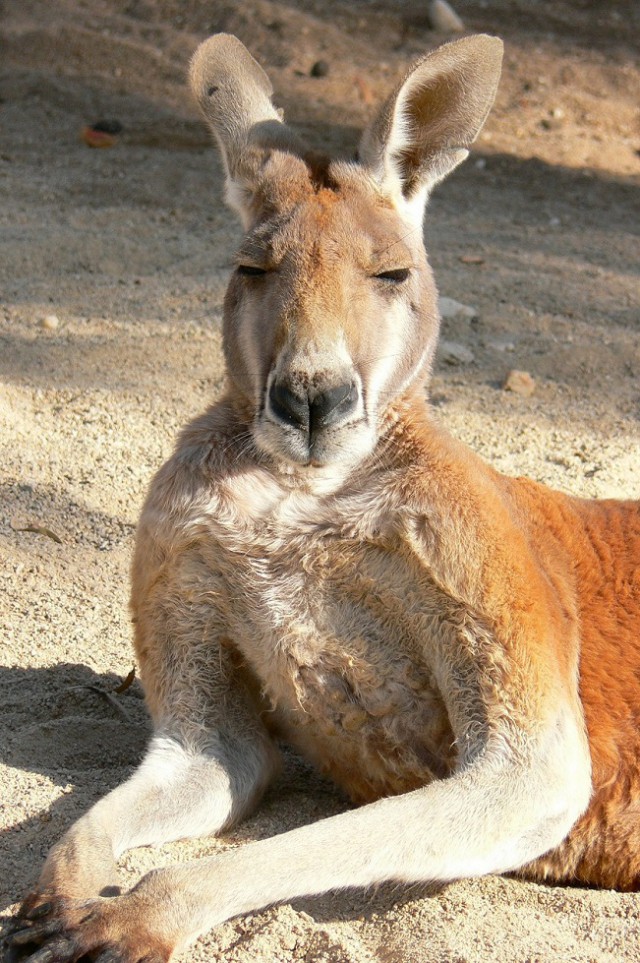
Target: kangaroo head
331, 313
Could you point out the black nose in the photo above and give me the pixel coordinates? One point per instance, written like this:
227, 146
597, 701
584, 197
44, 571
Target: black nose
313, 412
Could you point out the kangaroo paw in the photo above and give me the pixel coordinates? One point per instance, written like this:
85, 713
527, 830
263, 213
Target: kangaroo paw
67, 931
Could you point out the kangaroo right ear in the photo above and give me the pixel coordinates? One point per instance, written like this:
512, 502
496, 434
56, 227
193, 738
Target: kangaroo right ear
234, 94
429, 122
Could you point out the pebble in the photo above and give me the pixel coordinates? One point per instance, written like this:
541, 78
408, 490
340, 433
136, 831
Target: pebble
520, 382
112, 127
50, 322
443, 17
502, 345
451, 352
551, 123
97, 138
319, 69
451, 310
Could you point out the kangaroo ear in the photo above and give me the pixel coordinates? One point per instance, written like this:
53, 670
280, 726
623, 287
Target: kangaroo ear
234, 94
427, 125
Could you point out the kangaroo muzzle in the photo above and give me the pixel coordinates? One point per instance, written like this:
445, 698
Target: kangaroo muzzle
311, 411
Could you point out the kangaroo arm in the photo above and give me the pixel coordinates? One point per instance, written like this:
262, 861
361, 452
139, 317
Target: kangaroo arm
494, 816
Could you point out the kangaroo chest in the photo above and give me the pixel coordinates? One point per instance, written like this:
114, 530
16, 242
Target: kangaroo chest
342, 634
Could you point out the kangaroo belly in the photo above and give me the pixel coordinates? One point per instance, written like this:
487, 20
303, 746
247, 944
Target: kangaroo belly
374, 736
340, 642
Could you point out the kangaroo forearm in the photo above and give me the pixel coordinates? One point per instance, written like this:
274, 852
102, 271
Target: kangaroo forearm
459, 827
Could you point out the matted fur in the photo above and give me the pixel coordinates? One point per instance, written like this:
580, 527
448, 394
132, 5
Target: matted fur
318, 562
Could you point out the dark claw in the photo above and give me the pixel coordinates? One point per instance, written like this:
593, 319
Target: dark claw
11, 954
39, 911
35, 934
58, 951
43, 955
109, 956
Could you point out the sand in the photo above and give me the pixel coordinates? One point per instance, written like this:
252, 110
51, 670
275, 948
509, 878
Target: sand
112, 271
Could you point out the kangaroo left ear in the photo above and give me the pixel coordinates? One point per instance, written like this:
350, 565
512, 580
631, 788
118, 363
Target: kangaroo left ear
234, 95
426, 127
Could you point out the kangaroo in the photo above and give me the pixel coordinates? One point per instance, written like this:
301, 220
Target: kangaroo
320, 563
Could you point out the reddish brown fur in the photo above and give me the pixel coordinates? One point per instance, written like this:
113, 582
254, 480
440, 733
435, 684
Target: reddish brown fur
602, 541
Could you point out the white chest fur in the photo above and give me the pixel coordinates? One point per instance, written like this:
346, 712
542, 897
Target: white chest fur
337, 619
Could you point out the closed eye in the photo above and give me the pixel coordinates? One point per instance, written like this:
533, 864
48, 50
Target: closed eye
251, 271
397, 276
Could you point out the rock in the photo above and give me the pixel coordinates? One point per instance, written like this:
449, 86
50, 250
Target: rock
520, 382
444, 18
104, 133
319, 69
502, 345
553, 122
451, 352
451, 310
112, 127
97, 138
50, 322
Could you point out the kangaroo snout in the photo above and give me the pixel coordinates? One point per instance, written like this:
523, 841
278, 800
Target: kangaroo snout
309, 409
314, 416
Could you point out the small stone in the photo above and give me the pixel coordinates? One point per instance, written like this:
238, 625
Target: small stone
97, 138
50, 322
520, 382
444, 18
453, 353
319, 69
451, 310
552, 122
112, 127
502, 345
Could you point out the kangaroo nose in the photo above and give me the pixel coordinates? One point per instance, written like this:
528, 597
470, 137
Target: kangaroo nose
332, 406
288, 407
311, 413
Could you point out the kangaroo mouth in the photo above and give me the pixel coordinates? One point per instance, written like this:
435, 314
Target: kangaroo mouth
343, 445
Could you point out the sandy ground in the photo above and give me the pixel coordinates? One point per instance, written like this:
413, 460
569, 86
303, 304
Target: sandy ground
129, 249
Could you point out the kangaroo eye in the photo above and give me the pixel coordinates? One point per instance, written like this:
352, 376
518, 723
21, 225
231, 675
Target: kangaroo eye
251, 271
395, 277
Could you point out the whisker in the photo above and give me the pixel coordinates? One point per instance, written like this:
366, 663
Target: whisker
397, 241
383, 357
